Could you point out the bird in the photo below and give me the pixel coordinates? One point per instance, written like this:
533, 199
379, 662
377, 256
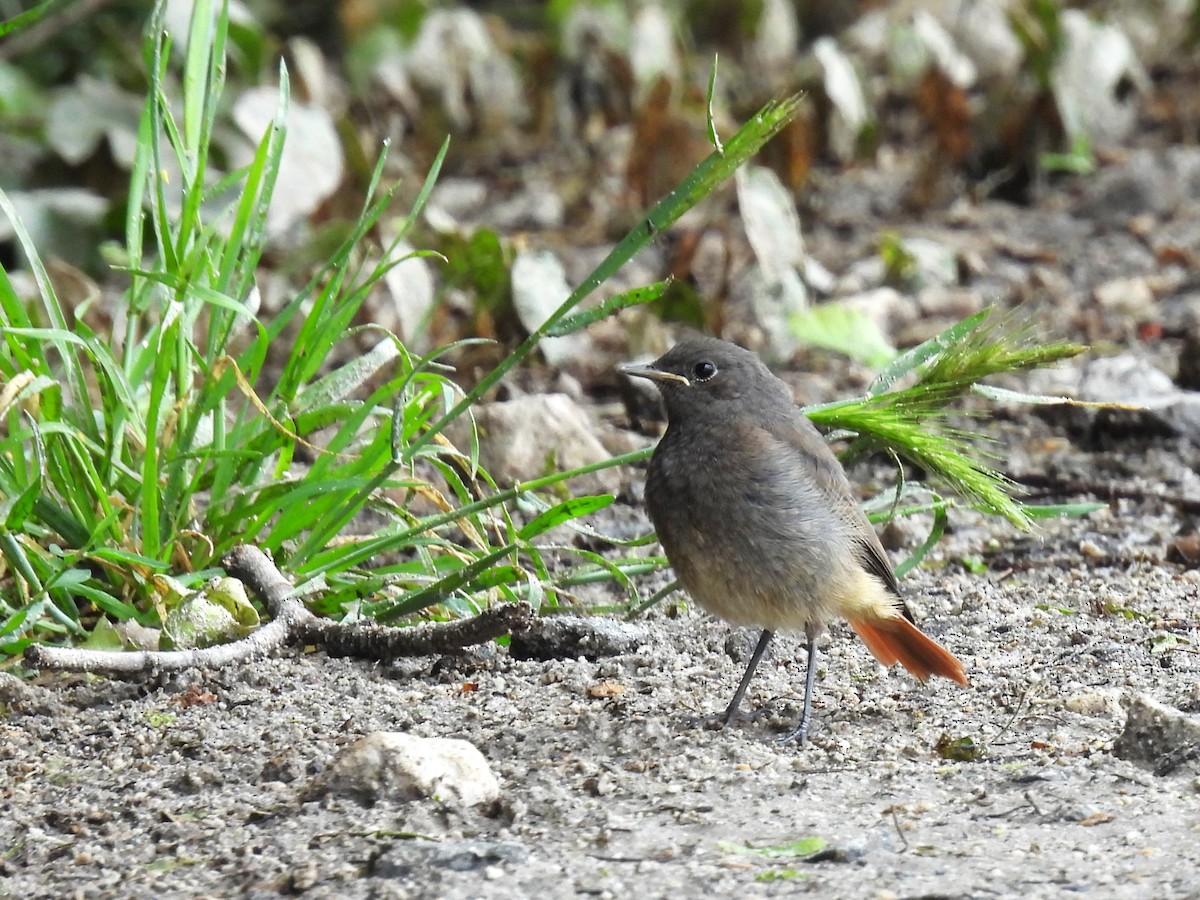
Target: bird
759, 521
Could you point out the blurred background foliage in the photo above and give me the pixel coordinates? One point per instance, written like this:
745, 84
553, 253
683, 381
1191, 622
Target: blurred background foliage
570, 117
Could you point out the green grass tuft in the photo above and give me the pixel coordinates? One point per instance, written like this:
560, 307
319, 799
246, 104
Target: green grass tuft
131, 462
912, 422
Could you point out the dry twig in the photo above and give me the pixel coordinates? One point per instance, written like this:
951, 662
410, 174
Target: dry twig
291, 622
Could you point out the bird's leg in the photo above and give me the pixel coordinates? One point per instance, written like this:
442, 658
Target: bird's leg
811, 631
759, 650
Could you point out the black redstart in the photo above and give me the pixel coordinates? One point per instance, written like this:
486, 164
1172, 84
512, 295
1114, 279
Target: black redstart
759, 521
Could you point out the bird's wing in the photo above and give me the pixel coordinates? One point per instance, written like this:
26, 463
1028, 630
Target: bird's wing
875, 558
800, 434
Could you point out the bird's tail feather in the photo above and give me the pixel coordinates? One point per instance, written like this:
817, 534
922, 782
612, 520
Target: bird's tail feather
900, 641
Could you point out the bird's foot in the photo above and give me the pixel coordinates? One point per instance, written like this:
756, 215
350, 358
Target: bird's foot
721, 720
799, 734
711, 722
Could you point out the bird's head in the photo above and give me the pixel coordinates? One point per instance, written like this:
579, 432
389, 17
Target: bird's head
705, 373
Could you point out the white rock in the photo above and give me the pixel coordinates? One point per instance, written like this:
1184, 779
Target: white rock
1128, 379
411, 286
772, 223
457, 205
1093, 703
539, 287
1132, 297
80, 116
519, 438
776, 39
983, 32
929, 263
845, 92
455, 56
1091, 77
1159, 734
652, 51
310, 168
953, 63
887, 308
404, 766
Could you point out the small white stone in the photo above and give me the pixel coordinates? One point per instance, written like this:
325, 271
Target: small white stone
395, 764
1093, 703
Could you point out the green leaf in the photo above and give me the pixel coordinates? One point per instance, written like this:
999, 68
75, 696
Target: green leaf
1115, 609
1162, 644
104, 637
680, 302
564, 512
780, 875
800, 848
962, 749
498, 575
105, 601
974, 564
350, 377
27, 18
940, 520
1078, 161
713, 137
219, 613
16, 509
12, 625
702, 181
635, 297
1061, 510
910, 422
128, 558
916, 356
417, 600
836, 326
482, 264
899, 264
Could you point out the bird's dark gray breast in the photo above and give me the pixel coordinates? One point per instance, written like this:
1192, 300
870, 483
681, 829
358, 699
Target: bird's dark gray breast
752, 534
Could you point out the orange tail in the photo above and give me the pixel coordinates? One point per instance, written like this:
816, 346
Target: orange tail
900, 641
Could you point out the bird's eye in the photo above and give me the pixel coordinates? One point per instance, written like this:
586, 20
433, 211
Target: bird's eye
703, 371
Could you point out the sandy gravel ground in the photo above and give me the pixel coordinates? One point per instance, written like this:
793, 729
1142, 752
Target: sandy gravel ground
112, 789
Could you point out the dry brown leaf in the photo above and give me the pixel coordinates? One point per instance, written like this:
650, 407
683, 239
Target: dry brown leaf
606, 689
194, 696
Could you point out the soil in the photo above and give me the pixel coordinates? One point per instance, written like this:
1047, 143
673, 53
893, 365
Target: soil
613, 785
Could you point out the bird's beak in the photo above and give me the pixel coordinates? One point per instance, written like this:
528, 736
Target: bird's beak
652, 373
